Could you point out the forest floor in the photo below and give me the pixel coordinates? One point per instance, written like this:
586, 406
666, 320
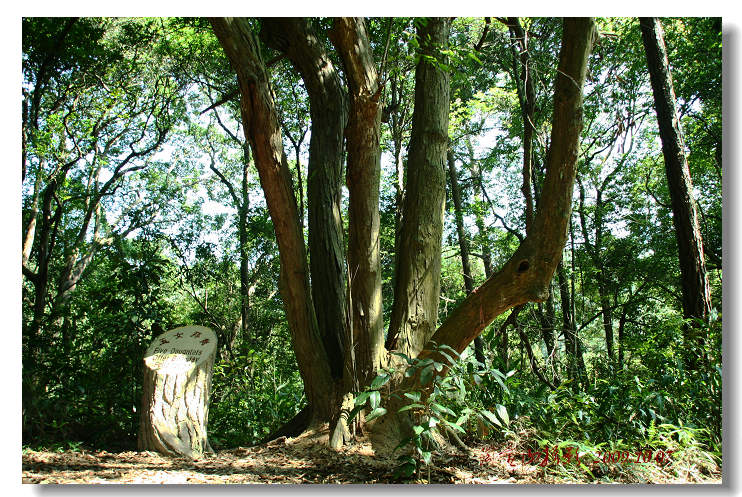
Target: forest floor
307, 459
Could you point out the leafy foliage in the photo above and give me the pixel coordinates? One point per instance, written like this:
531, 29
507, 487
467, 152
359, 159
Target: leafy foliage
145, 213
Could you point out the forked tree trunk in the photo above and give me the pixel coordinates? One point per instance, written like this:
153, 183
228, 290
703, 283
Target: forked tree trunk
524, 278
176, 391
298, 40
264, 134
528, 273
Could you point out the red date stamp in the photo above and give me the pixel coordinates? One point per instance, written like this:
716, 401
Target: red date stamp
571, 455
660, 457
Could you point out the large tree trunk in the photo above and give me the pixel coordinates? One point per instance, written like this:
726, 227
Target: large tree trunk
415, 309
263, 132
526, 276
297, 39
349, 35
694, 280
176, 391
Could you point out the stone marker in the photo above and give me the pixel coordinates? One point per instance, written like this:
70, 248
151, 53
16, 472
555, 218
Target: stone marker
176, 391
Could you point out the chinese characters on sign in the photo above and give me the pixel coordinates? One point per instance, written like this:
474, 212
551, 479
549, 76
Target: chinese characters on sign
181, 348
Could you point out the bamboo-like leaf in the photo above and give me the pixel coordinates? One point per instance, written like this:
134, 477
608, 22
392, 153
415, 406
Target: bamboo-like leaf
380, 381
354, 412
490, 417
361, 398
379, 411
454, 426
503, 413
439, 408
413, 396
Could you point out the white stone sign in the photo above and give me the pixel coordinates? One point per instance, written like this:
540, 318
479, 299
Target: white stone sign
180, 349
176, 390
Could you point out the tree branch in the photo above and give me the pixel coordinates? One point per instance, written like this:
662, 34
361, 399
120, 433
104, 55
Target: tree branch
527, 274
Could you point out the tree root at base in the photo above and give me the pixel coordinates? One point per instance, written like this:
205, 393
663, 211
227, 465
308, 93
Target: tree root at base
293, 427
457, 440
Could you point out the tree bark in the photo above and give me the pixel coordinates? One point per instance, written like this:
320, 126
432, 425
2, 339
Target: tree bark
327, 107
694, 280
350, 37
263, 132
415, 308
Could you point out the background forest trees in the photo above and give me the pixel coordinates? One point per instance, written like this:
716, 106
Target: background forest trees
143, 210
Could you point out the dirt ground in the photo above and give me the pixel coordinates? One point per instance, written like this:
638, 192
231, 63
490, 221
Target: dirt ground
307, 459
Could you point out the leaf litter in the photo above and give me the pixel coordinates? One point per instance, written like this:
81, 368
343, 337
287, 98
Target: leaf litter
308, 459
